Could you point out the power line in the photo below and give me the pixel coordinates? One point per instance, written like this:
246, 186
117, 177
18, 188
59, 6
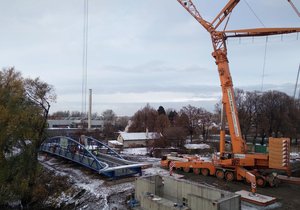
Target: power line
84, 57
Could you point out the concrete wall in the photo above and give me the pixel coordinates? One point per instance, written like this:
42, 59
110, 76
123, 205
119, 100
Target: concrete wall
158, 203
150, 184
155, 192
199, 196
197, 202
227, 203
184, 188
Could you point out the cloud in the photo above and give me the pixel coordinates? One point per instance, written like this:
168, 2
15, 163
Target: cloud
138, 52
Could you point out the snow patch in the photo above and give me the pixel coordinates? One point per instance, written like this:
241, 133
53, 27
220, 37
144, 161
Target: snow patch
197, 146
294, 156
135, 151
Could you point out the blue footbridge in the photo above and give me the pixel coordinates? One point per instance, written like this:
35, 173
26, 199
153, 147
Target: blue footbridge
93, 154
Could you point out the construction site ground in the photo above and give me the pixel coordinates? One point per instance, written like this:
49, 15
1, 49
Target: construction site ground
287, 194
105, 194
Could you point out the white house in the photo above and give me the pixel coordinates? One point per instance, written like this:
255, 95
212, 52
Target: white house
137, 139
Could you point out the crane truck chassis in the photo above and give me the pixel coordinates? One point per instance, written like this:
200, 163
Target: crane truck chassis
229, 169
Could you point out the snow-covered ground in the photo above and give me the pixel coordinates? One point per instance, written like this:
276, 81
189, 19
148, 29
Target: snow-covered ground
92, 191
89, 190
135, 151
295, 156
197, 146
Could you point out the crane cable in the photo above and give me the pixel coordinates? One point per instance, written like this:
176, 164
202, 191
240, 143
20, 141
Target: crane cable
294, 7
264, 65
266, 46
84, 58
254, 14
296, 85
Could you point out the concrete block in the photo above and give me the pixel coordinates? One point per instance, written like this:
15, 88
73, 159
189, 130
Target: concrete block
156, 192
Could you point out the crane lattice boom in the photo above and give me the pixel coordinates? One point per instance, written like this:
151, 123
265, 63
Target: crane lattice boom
218, 38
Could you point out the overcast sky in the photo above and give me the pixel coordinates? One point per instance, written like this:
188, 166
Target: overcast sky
144, 51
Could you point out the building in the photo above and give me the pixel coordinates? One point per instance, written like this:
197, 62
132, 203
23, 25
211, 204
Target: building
140, 139
75, 123
169, 193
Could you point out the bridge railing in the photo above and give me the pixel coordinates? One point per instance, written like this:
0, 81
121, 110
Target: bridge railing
71, 149
93, 144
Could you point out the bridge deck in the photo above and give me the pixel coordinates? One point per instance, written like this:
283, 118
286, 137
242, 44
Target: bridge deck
92, 154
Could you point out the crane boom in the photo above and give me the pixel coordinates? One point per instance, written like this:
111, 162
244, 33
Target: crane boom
220, 54
260, 32
190, 7
224, 13
210, 27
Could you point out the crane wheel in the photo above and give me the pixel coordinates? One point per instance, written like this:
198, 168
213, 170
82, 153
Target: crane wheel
272, 180
196, 171
229, 176
204, 171
220, 174
186, 169
260, 181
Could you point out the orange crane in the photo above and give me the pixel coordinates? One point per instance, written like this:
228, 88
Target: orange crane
238, 163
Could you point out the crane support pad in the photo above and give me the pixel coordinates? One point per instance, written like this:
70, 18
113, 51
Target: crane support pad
258, 199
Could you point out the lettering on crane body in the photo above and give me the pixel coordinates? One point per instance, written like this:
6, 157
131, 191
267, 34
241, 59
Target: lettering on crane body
236, 130
240, 156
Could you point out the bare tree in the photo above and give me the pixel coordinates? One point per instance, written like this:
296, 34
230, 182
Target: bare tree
162, 122
109, 118
189, 119
59, 115
172, 115
205, 122
76, 114
267, 114
175, 136
144, 119
121, 123
252, 119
